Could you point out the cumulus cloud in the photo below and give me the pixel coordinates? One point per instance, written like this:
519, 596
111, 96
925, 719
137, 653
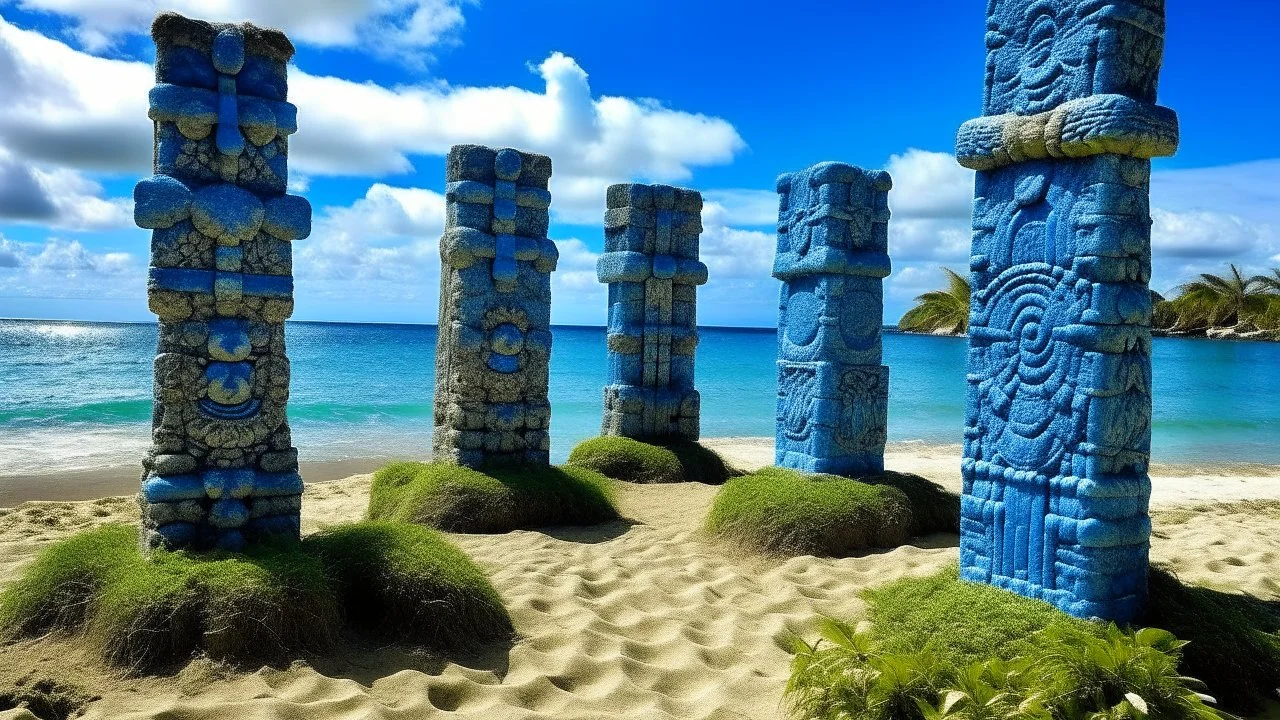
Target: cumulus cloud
66, 268
367, 129
86, 113
394, 28
1201, 233
929, 185
57, 198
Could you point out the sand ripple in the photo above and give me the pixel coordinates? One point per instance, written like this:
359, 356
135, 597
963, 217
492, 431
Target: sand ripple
647, 619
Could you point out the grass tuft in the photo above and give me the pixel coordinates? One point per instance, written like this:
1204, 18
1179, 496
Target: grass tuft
637, 461
784, 511
938, 647
149, 613
407, 581
459, 499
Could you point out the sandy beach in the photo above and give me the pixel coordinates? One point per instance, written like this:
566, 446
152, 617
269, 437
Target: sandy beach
646, 618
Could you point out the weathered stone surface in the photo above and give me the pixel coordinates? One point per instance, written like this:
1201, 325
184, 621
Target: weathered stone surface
494, 341
222, 471
1058, 418
651, 266
833, 393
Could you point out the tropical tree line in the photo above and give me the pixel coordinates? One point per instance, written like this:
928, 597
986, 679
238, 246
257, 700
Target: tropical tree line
1232, 304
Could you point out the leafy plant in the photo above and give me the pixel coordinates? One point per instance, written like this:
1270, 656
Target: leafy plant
945, 311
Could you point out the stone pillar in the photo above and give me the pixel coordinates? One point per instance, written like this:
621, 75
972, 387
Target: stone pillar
494, 342
1058, 418
833, 393
222, 469
652, 268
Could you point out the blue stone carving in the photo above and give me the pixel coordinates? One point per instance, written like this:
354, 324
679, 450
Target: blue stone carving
1058, 417
652, 268
222, 470
494, 341
832, 258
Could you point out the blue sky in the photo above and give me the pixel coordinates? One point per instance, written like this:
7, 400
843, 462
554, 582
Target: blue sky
716, 96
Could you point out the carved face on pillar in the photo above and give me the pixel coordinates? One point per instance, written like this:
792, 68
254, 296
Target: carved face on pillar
221, 284
1044, 52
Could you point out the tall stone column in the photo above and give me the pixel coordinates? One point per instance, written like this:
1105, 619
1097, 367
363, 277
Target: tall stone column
494, 342
1058, 418
652, 268
222, 468
833, 393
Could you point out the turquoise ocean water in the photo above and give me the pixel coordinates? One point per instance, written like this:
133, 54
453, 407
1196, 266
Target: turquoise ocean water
78, 395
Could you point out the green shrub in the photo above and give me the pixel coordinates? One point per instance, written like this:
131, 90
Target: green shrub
459, 499
407, 581
147, 613
788, 512
937, 647
659, 462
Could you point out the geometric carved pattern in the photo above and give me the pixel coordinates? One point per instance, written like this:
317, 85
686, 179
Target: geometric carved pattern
494, 336
652, 268
833, 393
1058, 418
222, 470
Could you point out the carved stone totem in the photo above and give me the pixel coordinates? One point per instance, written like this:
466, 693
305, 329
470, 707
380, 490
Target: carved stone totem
652, 268
1058, 418
833, 393
222, 470
494, 342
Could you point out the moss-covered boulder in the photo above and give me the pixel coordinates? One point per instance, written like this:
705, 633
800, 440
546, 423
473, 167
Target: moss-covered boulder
460, 499
641, 462
783, 511
151, 612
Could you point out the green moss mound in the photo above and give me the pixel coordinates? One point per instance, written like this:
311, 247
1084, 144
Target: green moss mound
784, 511
938, 647
406, 581
459, 499
636, 461
272, 601
1233, 640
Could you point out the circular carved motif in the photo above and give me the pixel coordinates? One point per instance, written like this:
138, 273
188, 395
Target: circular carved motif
1031, 368
803, 316
506, 339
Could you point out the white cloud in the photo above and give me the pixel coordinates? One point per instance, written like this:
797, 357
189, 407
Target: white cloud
1202, 234
58, 198
73, 110
740, 206
367, 129
66, 268
929, 185
401, 29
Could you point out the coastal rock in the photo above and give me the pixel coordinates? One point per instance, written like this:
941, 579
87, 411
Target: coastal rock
651, 266
1058, 415
222, 471
494, 343
833, 393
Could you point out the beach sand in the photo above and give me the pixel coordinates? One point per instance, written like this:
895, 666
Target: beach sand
640, 619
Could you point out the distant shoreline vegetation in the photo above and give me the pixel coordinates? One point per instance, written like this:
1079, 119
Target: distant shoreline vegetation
1230, 306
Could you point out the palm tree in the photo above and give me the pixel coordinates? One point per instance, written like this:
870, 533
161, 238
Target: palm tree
1215, 301
1270, 282
941, 311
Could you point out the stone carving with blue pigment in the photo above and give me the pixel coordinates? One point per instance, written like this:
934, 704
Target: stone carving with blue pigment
1058, 418
222, 470
652, 268
494, 341
833, 393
